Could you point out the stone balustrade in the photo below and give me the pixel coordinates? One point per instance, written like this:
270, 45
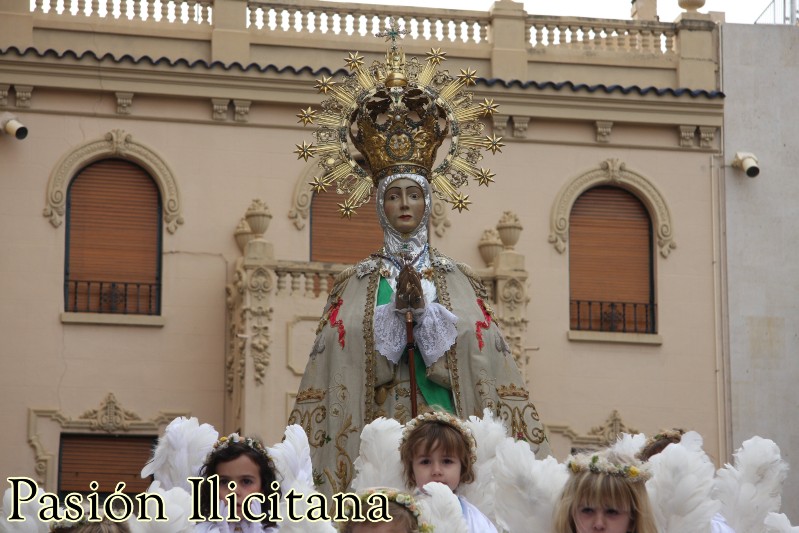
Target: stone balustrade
503, 43
631, 37
151, 11
363, 21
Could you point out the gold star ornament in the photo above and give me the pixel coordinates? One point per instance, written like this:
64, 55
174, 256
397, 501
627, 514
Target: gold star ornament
485, 177
347, 209
304, 150
468, 76
318, 184
436, 56
306, 116
493, 143
354, 60
325, 84
488, 107
461, 202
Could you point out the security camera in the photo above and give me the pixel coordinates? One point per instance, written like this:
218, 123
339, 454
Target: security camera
12, 126
746, 162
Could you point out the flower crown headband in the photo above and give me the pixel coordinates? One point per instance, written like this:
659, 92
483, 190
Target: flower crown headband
444, 418
599, 463
235, 438
393, 495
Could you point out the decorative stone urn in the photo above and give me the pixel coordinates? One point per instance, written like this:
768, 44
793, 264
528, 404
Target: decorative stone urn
490, 245
509, 229
258, 217
243, 234
691, 5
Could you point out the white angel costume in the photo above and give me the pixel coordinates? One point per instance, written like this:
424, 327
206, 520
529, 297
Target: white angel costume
358, 370
181, 453
379, 463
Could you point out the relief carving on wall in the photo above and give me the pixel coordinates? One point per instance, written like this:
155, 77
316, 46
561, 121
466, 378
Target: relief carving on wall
109, 417
115, 143
616, 173
598, 437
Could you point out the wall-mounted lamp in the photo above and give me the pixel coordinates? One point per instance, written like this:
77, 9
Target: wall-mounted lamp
12, 126
747, 162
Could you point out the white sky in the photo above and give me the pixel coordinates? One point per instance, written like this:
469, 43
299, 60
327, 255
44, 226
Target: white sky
738, 11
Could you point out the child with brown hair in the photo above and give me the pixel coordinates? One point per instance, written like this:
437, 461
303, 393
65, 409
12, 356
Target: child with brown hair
438, 447
243, 464
604, 493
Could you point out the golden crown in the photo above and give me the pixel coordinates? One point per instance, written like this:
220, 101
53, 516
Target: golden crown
397, 114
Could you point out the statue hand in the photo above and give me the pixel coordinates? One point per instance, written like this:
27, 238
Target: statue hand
409, 289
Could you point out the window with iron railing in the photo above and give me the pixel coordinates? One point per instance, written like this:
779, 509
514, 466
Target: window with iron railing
611, 281
624, 317
113, 249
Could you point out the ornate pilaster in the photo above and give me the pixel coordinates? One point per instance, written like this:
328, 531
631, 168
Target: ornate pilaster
510, 287
249, 301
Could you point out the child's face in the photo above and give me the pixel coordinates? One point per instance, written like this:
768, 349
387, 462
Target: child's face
589, 519
436, 466
245, 472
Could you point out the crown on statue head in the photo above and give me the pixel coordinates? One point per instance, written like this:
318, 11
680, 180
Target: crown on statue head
398, 114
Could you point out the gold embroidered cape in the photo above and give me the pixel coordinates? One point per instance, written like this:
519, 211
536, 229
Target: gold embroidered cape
347, 383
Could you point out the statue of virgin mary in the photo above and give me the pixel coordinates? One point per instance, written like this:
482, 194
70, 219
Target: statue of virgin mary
397, 115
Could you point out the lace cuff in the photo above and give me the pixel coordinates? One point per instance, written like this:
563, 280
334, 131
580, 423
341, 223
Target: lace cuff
435, 332
390, 334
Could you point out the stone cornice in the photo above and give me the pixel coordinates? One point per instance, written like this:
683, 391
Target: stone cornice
272, 86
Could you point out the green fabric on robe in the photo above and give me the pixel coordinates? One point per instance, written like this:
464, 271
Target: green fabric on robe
435, 395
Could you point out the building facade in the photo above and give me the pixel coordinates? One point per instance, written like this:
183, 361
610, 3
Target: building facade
158, 230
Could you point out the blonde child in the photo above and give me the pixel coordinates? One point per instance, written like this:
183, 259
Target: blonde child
604, 493
402, 508
244, 462
438, 447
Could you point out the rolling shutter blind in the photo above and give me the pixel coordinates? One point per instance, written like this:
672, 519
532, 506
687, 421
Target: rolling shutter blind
114, 227
610, 262
338, 240
104, 459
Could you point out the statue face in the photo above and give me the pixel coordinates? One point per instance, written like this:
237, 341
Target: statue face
403, 204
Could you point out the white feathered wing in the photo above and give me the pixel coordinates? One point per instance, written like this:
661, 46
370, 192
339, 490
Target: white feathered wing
439, 507
681, 486
29, 510
177, 508
488, 433
628, 444
751, 488
527, 489
779, 523
180, 453
378, 463
292, 459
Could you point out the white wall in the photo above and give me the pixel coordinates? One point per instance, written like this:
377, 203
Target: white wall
760, 77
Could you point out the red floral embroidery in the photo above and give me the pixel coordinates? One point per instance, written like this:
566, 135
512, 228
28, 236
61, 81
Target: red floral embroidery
337, 324
481, 325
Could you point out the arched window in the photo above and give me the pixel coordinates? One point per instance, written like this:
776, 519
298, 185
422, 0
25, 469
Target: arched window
339, 240
611, 263
113, 248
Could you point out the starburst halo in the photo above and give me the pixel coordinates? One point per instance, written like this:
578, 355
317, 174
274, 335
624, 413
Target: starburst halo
387, 151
